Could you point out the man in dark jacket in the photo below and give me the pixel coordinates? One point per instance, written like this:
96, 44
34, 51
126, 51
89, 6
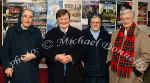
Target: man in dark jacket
96, 69
19, 51
62, 55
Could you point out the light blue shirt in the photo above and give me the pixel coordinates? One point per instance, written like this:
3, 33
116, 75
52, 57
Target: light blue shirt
95, 34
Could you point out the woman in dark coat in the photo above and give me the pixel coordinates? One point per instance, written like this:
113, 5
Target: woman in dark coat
20, 54
96, 69
62, 56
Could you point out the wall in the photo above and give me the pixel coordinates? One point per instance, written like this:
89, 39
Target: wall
135, 8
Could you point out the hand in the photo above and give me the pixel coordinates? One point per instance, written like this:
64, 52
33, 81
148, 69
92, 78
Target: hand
63, 58
27, 57
9, 72
67, 59
60, 57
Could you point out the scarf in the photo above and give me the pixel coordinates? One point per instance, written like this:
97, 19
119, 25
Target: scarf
123, 53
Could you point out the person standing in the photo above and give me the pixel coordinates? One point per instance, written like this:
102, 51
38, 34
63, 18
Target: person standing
95, 56
62, 56
19, 52
129, 55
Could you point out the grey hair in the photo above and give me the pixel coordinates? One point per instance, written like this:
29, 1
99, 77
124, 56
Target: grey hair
22, 14
127, 11
95, 16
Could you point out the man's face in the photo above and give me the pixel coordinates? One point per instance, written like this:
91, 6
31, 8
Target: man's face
127, 19
95, 23
63, 21
27, 18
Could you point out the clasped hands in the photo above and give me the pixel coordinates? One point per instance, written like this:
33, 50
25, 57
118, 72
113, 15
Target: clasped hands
63, 58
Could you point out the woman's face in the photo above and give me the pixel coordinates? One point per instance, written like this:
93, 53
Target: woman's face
127, 19
27, 18
63, 21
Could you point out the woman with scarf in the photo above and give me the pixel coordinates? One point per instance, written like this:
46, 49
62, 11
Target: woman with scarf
129, 55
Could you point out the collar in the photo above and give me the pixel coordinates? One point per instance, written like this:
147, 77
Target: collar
125, 32
93, 32
64, 30
20, 29
136, 31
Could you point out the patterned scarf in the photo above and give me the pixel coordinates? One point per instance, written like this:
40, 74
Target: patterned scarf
123, 52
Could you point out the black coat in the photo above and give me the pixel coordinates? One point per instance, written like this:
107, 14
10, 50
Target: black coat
95, 55
16, 43
55, 68
0, 56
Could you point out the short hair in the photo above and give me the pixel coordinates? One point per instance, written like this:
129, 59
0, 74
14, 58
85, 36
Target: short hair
21, 14
93, 16
127, 10
62, 12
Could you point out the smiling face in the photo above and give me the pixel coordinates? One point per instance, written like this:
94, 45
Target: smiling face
127, 18
63, 21
95, 23
27, 18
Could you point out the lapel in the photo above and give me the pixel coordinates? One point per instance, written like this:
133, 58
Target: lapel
136, 31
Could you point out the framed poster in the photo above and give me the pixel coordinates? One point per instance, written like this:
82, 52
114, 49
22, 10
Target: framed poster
52, 7
142, 13
108, 11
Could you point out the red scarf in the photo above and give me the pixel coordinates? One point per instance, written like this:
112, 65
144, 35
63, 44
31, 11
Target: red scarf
124, 53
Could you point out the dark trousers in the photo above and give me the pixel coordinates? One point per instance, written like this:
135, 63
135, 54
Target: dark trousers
96, 79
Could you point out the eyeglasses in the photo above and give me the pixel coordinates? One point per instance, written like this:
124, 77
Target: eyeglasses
123, 19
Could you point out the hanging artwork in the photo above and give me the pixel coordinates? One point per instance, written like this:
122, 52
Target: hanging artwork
74, 8
142, 13
89, 7
52, 7
11, 16
108, 12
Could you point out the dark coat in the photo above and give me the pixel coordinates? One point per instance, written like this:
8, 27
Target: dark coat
0, 56
16, 43
147, 76
96, 54
55, 68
